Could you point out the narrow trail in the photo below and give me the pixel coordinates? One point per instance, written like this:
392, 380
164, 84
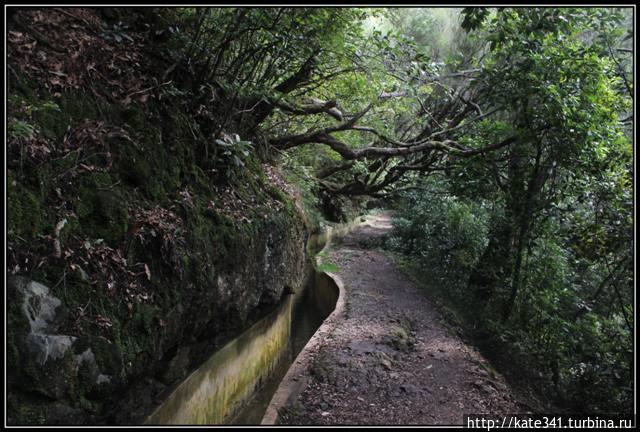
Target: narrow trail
391, 359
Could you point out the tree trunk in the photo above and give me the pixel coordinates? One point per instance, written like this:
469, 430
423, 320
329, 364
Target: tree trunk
525, 209
494, 265
515, 282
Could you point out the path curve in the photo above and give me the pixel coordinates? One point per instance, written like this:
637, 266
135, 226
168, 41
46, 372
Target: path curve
391, 359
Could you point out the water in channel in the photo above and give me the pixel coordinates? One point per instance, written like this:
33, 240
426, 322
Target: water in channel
236, 384
307, 317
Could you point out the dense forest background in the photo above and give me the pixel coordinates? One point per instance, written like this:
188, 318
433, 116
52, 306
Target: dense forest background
501, 137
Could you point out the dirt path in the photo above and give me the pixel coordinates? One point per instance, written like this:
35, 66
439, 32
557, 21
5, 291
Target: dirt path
391, 360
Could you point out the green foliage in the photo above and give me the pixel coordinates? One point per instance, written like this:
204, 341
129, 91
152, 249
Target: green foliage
26, 216
299, 167
323, 263
473, 17
327, 267
21, 122
443, 232
551, 281
21, 129
232, 152
282, 40
437, 34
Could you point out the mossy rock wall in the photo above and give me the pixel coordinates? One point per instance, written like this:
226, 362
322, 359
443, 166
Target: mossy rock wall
156, 258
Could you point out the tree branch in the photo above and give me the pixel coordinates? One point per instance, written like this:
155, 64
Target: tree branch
316, 106
329, 171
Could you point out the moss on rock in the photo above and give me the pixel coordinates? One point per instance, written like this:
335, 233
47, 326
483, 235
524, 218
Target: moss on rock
26, 214
204, 289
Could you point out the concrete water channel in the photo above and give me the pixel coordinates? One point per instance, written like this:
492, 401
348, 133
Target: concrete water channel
237, 383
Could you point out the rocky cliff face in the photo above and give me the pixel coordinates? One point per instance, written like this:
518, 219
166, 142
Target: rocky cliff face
135, 245
60, 376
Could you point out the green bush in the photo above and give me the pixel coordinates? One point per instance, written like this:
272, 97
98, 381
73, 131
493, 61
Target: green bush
580, 357
442, 231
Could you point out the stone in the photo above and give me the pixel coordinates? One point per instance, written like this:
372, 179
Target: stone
386, 363
48, 347
42, 309
103, 379
86, 367
410, 389
55, 365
